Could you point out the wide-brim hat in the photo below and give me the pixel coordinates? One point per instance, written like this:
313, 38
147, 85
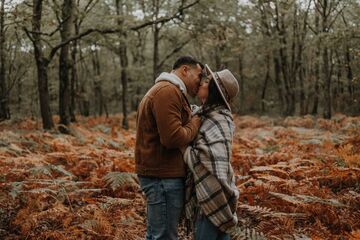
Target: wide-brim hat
226, 83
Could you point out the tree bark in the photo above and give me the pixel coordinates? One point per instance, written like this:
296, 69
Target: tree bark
42, 66
327, 88
124, 64
4, 107
284, 63
73, 81
325, 64
65, 65
349, 74
299, 65
156, 39
97, 84
315, 107
266, 81
278, 83
242, 84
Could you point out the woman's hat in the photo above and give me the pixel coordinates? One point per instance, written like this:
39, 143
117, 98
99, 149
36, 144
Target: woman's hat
226, 83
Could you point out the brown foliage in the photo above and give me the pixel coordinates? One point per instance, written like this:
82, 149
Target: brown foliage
298, 177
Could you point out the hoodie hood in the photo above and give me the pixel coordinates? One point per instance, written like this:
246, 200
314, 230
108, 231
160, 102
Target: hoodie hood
174, 79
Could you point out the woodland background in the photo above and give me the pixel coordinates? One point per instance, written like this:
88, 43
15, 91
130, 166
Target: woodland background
94, 57
72, 73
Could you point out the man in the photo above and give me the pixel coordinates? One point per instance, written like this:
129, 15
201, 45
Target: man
165, 124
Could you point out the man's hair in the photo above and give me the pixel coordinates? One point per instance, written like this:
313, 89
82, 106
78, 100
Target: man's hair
186, 60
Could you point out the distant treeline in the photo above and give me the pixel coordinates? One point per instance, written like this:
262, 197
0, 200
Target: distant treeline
94, 57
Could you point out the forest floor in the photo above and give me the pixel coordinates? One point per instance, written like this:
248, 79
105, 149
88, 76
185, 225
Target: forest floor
299, 178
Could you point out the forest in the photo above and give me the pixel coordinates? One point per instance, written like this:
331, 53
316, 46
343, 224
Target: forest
72, 73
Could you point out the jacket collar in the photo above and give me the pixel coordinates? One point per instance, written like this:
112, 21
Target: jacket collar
174, 79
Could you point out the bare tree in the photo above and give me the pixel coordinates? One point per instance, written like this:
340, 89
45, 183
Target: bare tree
4, 107
328, 11
122, 52
65, 64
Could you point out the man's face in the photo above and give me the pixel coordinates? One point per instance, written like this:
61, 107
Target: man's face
193, 77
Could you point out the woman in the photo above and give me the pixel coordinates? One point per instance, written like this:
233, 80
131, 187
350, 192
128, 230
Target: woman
211, 193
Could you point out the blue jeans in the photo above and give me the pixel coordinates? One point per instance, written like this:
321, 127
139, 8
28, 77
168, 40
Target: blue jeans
205, 230
165, 203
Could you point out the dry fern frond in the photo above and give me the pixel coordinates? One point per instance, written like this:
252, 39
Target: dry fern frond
354, 235
121, 179
239, 233
255, 210
259, 211
299, 199
274, 170
50, 171
16, 188
348, 154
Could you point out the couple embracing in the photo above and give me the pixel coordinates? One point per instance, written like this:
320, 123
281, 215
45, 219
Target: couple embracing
183, 152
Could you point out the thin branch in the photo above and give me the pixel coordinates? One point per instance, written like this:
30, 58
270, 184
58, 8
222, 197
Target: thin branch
175, 50
311, 28
48, 34
47, 42
56, 11
316, 3
28, 34
338, 13
16, 79
344, 19
110, 31
333, 8
165, 19
87, 9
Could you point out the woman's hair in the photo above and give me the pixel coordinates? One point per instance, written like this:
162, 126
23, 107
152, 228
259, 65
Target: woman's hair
214, 98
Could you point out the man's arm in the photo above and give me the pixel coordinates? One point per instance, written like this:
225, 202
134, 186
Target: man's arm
167, 106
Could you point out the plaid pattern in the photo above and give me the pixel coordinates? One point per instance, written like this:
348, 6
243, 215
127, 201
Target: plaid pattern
210, 182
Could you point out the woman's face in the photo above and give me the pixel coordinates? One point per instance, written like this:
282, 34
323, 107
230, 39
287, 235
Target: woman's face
203, 92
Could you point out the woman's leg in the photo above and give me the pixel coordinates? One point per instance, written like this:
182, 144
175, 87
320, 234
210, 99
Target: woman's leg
205, 230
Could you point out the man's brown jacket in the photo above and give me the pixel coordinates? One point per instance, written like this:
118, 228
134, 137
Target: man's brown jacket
164, 124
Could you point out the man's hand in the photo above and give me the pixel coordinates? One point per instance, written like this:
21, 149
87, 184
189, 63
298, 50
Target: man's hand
196, 120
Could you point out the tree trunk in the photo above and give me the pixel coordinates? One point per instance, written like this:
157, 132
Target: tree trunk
266, 81
97, 83
124, 64
284, 64
156, 39
217, 58
349, 74
42, 66
279, 83
242, 84
325, 63
19, 102
300, 68
315, 107
124, 82
64, 65
74, 88
156, 53
74, 81
4, 107
327, 88
337, 88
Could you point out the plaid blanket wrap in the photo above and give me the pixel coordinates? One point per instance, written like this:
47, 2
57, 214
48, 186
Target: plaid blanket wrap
210, 182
